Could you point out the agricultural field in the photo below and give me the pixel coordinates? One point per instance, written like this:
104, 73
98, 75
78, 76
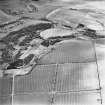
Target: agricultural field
52, 52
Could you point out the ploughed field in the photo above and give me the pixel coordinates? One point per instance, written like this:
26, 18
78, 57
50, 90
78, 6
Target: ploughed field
27, 41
